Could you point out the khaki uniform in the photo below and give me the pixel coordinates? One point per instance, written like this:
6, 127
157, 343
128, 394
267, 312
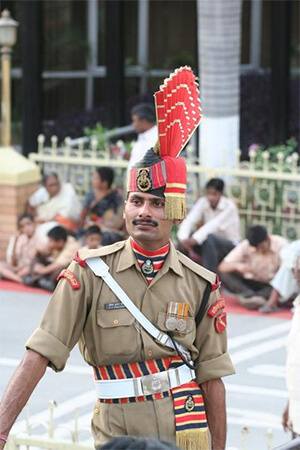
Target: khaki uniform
112, 336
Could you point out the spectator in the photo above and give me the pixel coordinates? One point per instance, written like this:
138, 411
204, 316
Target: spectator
248, 269
284, 284
46, 269
25, 246
143, 120
291, 414
93, 237
212, 227
102, 204
55, 202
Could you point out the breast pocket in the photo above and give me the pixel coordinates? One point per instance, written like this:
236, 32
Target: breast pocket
118, 335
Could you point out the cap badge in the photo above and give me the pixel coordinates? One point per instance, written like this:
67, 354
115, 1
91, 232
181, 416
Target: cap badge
143, 181
147, 267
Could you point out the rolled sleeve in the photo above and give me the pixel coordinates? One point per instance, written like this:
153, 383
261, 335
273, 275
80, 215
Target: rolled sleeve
211, 369
50, 347
64, 319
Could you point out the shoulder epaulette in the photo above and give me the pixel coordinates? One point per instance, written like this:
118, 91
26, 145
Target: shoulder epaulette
199, 270
86, 253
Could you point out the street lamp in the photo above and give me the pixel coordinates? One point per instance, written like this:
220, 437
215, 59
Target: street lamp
8, 38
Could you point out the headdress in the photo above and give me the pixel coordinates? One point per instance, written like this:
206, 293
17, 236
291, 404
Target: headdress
162, 172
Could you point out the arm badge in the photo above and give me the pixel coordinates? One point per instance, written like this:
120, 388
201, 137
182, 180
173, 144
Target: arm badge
221, 322
216, 307
70, 277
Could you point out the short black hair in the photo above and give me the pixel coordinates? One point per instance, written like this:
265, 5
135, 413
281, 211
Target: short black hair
93, 229
144, 111
106, 174
48, 175
138, 443
216, 183
58, 234
256, 235
25, 216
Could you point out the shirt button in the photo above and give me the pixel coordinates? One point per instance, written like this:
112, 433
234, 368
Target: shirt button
96, 410
116, 321
150, 352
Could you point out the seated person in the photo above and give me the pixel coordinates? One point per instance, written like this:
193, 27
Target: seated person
55, 202
102, 204
93, 237
25, 247
249, 268
212, 227
61, 251
284, 284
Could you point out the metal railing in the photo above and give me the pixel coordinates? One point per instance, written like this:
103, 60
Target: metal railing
266, 192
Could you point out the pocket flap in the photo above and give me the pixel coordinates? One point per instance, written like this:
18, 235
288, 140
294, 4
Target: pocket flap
114, 318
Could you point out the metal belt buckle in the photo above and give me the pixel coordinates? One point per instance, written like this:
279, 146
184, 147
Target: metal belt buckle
155, 383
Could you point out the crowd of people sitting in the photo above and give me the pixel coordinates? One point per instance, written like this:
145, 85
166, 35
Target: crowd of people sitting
260, 270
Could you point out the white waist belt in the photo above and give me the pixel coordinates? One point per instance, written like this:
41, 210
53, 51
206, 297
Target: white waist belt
146, 385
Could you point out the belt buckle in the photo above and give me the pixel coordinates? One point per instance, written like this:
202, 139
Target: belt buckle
155, 383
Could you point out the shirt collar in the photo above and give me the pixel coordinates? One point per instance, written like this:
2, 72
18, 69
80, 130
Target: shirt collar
128, 259
221, 205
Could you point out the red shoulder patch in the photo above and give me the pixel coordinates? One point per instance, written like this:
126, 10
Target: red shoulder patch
216, 307
216, 285
81, 262
70, 277
221, 322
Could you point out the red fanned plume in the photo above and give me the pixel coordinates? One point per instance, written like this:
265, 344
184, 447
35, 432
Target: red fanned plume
178, 111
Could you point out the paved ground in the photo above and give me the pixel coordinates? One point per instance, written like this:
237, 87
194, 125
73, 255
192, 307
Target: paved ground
256, 395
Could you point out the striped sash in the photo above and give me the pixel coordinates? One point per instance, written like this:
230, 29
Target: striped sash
189, 410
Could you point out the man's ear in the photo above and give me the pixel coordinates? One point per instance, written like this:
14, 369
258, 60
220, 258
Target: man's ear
177, 221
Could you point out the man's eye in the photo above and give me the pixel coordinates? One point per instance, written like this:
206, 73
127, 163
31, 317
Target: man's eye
158, 203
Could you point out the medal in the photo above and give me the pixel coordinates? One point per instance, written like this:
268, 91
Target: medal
181, 325
171, 323
147, 267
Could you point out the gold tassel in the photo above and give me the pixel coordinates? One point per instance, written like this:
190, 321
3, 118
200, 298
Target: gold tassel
193, 439
175, 207
156, 148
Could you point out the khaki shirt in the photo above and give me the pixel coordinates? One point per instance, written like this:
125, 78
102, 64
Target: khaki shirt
112, 336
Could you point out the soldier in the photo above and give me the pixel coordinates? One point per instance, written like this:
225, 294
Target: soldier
148, 320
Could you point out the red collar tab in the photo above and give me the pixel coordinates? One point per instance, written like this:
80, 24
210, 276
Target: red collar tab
81, 262
216, 285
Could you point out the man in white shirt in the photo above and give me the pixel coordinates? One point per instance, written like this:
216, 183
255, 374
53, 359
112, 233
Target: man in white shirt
212, 227
143, 120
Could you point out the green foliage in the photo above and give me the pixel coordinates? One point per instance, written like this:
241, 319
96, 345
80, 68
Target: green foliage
99, 132
286, 149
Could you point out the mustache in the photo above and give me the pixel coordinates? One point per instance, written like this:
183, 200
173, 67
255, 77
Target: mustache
143, 221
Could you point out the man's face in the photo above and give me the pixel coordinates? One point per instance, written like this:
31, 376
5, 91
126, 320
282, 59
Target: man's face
139, 125
144, 216
213, 196
56, 245
27, 226
52, 185
264, 246
93, 241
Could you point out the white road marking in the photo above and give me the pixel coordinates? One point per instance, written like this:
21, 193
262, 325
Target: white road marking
62, 409
74, 369
253, 418
259, 349
268, 370
258, 335
255, 390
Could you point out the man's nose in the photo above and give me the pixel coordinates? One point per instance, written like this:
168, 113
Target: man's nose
145, 210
